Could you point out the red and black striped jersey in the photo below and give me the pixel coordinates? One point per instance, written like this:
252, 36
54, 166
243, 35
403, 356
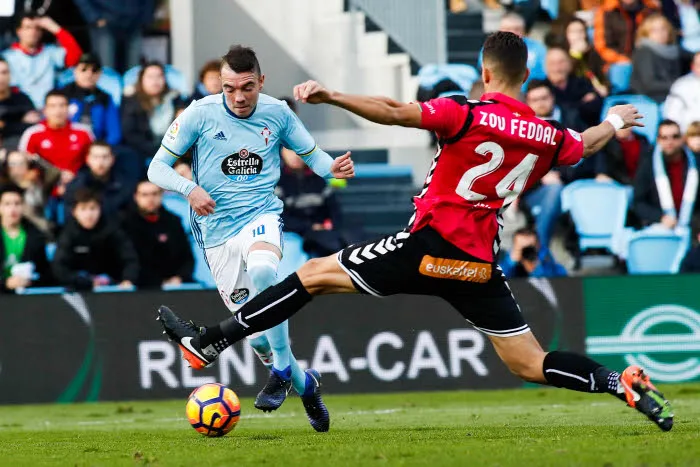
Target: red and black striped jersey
490, 151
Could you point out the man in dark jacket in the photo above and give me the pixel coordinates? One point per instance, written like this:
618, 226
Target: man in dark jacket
117, 23
623, 155
93, 251
164, 253
98, 175
90, 105
673, 180
22, 246
17, 112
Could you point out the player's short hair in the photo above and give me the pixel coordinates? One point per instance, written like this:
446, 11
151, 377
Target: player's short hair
86, 195
241, 59
505, 54
536, 84
212, 66
667, 122
56, 93
11, 188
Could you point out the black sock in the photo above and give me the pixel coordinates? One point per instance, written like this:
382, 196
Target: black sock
271, 307
578, 373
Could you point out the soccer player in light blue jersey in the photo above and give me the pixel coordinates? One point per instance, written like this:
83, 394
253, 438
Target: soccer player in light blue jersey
236, 137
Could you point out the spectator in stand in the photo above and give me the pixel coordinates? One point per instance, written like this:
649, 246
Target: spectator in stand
692, 138
615, 28
58, 141
690, 24
571, 93
622, 157
164, 253
22, 246
115, 23
691, 262
17, 112
183, 168
525, 9
34, 65
526, 259
36, 181
93, 251
90, 105
310, 207
148, 111
209, 80
656, 62
683, 102
536, 51
99, 176
666, 186
586, 61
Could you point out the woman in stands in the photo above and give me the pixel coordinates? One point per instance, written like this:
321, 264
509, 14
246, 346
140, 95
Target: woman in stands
209, 80
587, 63
656, 61
148, 110
692, 138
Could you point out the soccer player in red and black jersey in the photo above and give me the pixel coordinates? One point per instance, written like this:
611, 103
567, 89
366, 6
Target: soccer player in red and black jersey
490, 152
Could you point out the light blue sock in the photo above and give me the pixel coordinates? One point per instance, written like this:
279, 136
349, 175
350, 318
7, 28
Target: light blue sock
262, 348
279, 342
298, 376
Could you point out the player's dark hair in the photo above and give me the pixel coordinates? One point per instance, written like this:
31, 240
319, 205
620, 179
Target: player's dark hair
209, 67
11, 188
241, 59
667, 122
506, 55
86, 195
23, 16
56, 93
536, 84
290, 102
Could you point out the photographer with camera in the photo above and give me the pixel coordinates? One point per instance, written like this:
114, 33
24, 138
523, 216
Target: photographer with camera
526, 259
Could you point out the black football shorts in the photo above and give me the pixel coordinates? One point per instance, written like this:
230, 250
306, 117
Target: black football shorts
423, 263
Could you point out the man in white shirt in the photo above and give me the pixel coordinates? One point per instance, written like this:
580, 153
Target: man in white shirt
683, 102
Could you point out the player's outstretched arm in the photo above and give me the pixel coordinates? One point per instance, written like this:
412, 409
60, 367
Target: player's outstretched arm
619, 117
377, 109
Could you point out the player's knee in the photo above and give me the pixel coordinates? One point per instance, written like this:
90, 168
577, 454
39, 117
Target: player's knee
318, 275
262, 268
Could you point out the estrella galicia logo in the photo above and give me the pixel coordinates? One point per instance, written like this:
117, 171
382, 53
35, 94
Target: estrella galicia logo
242, 166
663, 339
239, 296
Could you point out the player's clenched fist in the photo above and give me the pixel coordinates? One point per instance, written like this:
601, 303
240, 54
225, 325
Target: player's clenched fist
311, 92
201, 202
343, 167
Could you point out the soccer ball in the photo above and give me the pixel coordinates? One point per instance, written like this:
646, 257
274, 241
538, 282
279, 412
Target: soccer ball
213, 409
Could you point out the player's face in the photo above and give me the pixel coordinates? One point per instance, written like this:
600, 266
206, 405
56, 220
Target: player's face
87, 214
29, 33
86, 76
100, 160
4, 75
241, 90
148, 197
670, 139
541, 101
11, 209
56, 110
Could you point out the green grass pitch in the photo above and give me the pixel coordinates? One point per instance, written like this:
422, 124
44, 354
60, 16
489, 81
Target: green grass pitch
529, 427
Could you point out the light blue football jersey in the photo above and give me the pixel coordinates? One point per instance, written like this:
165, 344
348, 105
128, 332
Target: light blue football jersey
236, 160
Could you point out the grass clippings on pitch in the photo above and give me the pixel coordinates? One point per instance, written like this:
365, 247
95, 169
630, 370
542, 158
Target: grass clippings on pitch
521, 428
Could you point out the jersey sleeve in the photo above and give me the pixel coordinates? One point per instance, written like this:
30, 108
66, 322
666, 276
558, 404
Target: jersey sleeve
443, 116
570, 147
182, 133
295, 135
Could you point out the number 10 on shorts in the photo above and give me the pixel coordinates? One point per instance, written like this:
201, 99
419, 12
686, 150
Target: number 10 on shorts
259, 230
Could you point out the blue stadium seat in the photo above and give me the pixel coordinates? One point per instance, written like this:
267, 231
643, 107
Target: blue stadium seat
178, 205
620, 75
551, 7
646, 106
174, 77
41, 291
656, 251
598, 210
294, 255
110, 82
50, 251
202, 274
463, 75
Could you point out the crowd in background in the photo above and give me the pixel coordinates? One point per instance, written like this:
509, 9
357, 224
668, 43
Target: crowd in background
73, 158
